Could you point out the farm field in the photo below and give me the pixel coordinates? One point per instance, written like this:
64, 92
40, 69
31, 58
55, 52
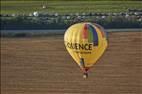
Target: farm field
43, 66
63, 7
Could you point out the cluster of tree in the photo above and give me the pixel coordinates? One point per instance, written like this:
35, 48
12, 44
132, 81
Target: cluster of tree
25, 22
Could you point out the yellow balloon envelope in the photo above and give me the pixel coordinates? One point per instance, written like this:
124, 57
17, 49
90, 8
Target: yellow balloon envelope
85, 42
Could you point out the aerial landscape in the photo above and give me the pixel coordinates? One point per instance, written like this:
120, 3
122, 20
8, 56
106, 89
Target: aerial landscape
34, 59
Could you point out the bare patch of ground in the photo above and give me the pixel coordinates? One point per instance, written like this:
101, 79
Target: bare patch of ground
43, 66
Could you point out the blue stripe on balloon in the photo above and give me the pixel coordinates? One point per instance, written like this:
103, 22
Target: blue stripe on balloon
95, 35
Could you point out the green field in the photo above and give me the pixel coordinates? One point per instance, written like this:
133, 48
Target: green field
63, 7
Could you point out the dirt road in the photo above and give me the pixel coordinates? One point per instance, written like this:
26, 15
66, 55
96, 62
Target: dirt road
43, 66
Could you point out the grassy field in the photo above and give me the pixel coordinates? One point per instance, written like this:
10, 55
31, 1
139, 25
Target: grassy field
25, 7
43, 66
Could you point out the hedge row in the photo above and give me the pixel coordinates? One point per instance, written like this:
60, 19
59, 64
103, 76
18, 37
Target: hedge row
23, 23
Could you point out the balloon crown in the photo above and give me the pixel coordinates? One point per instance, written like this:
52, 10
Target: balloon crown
90, 34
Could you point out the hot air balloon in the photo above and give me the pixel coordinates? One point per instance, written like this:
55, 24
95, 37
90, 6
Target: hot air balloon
86, 43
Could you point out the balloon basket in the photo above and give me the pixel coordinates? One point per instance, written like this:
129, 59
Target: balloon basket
85, 75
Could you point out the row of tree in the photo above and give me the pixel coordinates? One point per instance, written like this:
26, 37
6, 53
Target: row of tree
24, 22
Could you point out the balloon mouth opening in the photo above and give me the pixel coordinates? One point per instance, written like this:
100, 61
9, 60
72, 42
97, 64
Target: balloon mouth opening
85, 69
